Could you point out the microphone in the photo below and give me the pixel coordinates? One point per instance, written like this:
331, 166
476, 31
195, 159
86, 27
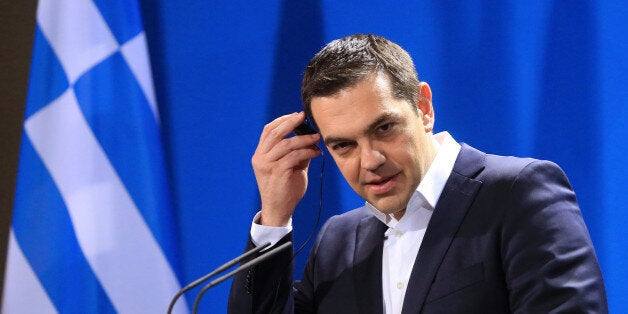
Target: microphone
243, 267
216, 271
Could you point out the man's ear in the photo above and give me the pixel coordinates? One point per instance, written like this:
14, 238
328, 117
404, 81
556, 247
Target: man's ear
426, 110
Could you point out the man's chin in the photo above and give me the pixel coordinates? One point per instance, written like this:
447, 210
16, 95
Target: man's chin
388, 207
393, 211
389, 210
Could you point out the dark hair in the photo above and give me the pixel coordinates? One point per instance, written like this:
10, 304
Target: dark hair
346, 61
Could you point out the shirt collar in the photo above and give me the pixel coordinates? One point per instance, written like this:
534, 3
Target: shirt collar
431, 187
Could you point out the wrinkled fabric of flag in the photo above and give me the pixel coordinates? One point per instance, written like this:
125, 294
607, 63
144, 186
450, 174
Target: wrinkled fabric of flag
93, 226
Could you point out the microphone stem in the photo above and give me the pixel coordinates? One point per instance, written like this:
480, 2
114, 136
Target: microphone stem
245, 266
216, 271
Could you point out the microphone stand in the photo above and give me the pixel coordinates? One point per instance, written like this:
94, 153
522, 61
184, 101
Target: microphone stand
243, 267
216, 271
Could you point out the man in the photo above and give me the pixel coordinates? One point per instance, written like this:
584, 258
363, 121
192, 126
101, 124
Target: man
445, 229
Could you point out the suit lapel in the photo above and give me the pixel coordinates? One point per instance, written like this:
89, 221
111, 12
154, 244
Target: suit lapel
455, 200
368, 265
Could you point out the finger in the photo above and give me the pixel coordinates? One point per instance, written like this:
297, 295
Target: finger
277, 130
299, 159
286, 146
273, 124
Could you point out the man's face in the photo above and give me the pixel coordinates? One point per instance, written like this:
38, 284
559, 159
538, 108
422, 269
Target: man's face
381, 146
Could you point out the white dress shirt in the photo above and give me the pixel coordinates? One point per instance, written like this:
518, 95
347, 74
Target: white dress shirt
403, 237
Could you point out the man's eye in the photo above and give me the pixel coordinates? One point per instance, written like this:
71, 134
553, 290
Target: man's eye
340, 146
385, 127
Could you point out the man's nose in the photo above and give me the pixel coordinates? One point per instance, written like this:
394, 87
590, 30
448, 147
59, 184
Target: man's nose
371, 158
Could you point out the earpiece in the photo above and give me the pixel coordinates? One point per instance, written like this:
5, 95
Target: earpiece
304, 129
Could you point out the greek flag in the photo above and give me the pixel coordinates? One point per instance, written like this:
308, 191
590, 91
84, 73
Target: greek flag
93, 226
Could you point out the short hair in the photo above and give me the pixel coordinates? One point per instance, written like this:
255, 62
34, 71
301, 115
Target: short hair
346, 61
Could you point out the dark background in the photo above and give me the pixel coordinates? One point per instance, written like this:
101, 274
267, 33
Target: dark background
16, 37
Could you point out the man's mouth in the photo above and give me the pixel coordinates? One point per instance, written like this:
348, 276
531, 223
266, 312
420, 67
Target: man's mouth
382, 186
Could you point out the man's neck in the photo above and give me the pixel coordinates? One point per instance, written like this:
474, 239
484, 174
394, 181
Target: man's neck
399, 214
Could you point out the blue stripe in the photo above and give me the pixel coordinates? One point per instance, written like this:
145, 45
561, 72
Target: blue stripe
120, 117
294, 50
47, 78
122, 16
44, 231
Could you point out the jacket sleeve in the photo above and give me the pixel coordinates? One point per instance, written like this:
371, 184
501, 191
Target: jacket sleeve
264, 288
548, 257
269, 287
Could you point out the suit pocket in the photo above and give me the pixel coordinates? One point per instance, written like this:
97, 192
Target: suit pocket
456, 281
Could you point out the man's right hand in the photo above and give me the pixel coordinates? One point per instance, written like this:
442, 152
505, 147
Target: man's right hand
280, 165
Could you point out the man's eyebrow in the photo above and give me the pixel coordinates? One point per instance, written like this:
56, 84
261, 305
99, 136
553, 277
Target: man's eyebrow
381, 119
334, 139
389, 115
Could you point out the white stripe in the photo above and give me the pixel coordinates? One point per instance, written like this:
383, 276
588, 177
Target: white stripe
77, 33
23, 293
111, 232
135, 52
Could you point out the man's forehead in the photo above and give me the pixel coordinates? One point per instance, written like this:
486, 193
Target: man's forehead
379, 82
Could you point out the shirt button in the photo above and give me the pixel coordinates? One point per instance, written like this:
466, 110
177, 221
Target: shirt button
398, 234
400, 285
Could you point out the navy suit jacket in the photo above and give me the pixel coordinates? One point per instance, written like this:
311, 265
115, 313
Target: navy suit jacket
506, 235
